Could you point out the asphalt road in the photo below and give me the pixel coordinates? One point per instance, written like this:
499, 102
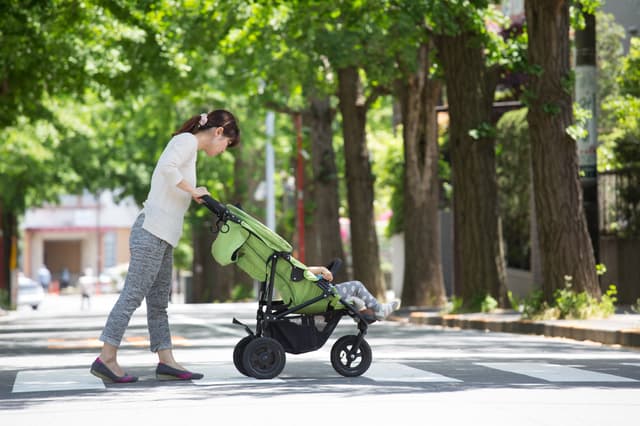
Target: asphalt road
420, 375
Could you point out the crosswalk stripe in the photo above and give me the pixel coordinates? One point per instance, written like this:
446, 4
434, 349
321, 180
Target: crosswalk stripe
392, 372
224, 374
55, 380
215, 374
554, 372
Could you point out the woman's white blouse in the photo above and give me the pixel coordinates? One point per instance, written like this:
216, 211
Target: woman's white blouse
167, 204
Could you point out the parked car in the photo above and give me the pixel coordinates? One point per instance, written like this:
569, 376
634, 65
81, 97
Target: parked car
30, 292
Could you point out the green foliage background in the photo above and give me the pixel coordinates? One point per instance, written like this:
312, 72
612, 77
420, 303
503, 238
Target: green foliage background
91, 90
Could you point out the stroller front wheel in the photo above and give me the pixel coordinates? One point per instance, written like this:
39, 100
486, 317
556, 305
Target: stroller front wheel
238, 352
263, 358
347, 360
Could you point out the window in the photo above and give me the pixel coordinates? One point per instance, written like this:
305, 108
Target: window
110, 249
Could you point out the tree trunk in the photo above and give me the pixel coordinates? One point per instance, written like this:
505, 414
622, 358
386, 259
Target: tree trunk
200, 291
240, 190
479, 265
5, 250
202, 287
323, 243
565, 248
8, 254
312, 237
211, 281
423, 279
364, 241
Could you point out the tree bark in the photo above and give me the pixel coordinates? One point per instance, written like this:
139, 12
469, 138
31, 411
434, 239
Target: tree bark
323, 242
202, 284
565, 248
364, 241
211, 281
423, 278
5, 249
479, 265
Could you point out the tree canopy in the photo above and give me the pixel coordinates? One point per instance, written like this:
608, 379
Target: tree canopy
91, 90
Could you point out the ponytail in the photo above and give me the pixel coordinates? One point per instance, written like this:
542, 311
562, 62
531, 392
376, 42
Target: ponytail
217, 118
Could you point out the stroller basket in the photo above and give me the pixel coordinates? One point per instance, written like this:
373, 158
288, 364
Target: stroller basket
304, 334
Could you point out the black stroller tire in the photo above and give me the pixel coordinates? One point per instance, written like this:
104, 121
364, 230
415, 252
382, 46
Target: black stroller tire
346, 365
238, 351
263, 358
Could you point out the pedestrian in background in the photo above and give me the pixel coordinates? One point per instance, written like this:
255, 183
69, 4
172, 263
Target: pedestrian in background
65, 278
44, 277
154, 234
86, 284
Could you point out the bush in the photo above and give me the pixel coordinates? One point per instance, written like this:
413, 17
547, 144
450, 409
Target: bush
482, 303
4, 299
567, 304
242, 292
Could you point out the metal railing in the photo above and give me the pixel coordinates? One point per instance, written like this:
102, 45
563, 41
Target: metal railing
619, 201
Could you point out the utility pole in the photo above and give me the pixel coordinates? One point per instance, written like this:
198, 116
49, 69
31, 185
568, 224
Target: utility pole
299, 187
270, 171
586, 89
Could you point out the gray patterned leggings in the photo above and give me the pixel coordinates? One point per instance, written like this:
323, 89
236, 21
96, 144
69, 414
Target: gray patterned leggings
357, 289
149, 277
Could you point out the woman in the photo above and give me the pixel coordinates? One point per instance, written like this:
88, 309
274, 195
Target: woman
355, 292
153, 236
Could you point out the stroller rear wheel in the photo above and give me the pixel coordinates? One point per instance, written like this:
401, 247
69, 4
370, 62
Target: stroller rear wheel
347, 361
238, 351
263, 358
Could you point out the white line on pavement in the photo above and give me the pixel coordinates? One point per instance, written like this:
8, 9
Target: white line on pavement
392, 372
554, 373
225, 374
55, 380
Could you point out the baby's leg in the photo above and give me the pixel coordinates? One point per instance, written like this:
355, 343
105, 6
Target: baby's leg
357, 289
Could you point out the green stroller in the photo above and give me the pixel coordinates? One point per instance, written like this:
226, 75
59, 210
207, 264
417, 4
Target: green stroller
297, 310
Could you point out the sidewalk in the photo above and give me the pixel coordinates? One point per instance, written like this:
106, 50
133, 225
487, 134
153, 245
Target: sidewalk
619, 329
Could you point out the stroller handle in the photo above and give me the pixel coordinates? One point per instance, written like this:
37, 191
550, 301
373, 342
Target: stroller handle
335, 265
215, 206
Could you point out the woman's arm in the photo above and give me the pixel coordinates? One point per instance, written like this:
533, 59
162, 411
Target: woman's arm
196, 193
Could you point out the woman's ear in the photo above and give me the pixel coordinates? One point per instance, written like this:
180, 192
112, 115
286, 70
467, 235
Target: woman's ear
219, 131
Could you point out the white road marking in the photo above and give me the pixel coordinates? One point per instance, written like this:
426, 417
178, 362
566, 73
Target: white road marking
56, 380
224, 373
215, 374
392, 372
554, 372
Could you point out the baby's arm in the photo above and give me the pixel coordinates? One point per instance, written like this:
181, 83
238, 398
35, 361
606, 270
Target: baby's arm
321, 270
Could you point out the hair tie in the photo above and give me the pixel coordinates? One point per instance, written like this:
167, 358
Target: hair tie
203, 119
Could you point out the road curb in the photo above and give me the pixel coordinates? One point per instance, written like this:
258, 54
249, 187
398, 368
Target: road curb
624, 337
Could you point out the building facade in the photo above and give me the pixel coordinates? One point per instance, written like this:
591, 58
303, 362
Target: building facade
82, 231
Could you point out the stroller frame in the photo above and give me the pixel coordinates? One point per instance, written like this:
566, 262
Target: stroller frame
262, 354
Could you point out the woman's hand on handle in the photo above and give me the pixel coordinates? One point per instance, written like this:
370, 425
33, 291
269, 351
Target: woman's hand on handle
198, 193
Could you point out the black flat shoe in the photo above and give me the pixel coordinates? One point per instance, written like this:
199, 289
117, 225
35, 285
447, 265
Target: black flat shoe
165, 372
99, 369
